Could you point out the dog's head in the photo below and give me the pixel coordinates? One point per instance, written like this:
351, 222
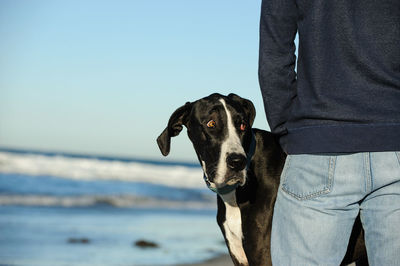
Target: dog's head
220, 130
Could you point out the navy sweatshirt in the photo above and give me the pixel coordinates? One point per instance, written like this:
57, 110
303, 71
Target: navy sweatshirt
346, 94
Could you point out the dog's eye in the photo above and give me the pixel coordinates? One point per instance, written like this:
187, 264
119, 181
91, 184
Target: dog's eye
242, 126
211, 124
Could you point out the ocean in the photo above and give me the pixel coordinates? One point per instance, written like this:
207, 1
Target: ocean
69, 209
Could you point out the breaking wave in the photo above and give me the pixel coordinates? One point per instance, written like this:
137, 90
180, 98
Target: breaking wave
81, 168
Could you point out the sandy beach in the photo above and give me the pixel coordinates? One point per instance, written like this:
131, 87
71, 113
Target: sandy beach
223, 260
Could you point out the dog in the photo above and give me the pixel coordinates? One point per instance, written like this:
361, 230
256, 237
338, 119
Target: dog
243, 166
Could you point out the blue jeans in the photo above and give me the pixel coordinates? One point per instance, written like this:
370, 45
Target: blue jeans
319, 198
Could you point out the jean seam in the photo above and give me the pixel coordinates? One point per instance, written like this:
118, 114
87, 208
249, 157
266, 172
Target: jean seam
398, 156
332, 168
367, 172
285, 169
326, 190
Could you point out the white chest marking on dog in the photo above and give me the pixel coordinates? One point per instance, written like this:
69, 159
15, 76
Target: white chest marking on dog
231, 144
233, 227
203, 165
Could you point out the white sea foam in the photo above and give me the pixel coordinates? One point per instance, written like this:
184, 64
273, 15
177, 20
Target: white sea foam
121, 201
95, 169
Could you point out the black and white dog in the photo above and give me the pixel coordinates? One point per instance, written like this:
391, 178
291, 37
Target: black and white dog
243, 166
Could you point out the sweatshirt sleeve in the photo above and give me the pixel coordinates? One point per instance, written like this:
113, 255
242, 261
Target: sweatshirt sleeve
277, 77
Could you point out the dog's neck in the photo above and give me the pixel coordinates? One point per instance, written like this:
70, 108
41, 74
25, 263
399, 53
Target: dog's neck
252, 150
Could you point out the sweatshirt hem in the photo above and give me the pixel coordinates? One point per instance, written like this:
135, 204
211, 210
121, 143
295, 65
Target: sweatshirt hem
342, 139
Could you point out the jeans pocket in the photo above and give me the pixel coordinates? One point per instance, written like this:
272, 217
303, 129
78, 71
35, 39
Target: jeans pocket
308, 176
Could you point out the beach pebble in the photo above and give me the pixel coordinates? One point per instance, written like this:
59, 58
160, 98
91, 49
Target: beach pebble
78, 240
146, 244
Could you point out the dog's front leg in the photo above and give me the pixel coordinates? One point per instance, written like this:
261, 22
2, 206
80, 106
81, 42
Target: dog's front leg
230, 221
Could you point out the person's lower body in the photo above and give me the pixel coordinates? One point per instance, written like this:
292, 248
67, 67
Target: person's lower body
319, 198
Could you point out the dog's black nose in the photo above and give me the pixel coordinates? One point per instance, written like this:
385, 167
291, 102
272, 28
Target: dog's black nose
236, 162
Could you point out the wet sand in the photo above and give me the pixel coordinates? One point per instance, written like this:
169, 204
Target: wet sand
223, 260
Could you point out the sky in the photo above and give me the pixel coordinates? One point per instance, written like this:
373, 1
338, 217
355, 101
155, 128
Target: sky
103, 77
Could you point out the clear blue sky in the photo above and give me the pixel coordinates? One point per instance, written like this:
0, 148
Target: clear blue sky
103, 77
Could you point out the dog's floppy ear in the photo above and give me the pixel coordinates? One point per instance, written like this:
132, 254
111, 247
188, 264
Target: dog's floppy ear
247, 105
177, 119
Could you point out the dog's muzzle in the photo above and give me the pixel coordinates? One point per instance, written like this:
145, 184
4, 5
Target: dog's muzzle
229, 188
